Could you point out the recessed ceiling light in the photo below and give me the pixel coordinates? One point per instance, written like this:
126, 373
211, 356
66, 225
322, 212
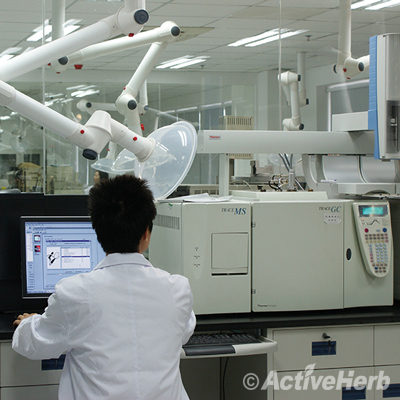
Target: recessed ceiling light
9, 53
190, 62
69, 26
11, 50
276, 37
175, 61
390, 3
363, 3
266, 37
84, 93
81, 87
250, 39
182, 62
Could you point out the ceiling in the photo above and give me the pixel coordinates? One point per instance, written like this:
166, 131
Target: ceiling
210, 25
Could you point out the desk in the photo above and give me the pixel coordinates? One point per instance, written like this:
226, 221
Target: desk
362, 315
203, 377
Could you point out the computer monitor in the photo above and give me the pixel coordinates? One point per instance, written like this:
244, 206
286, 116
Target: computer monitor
54, 248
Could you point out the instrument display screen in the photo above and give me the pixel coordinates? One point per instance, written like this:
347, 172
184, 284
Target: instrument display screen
373, 210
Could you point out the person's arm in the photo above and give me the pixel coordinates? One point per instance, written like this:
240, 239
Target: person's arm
189, 328
184, 301
42, 336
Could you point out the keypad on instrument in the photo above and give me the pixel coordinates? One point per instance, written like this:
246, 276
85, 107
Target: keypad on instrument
378, 251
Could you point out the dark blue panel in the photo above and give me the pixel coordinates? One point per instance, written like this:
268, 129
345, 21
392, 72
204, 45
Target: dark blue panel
393, 390
353, 393
323, 348
53, 363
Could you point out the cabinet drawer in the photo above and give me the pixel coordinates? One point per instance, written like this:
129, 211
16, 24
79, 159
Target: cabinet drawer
323, 385
392, 392
327, 347
19, 371
45, 392
387, 345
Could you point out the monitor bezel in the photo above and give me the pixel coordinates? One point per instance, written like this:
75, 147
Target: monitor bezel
39, 218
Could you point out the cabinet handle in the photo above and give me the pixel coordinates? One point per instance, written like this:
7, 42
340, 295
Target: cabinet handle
393, 390
353, 393
323, 348
325, 336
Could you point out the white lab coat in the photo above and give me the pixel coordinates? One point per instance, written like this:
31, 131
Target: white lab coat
122, 326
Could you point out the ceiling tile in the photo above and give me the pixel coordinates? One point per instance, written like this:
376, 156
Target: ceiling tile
291, 13
199, 10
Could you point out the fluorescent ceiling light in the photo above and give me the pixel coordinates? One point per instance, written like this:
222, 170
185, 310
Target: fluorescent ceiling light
6, 117
191, 62
67, 31
7, 54
175, 61
276, 37
266, 37
181, 62
71, 22
390, 3
11, 50
54, 95
39, 32
81, 87
250, 39
69, 26
83, 93
76, 87
363, 3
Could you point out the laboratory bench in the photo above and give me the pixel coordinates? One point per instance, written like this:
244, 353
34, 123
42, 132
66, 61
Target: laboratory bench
362, 315
363, 340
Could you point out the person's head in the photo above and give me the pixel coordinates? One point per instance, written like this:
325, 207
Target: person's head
122, 211
100, 176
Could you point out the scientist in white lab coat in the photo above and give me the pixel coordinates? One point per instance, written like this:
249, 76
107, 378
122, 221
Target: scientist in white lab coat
123, 324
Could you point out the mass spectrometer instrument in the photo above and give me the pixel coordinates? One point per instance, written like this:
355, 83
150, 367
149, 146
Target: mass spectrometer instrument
273, 251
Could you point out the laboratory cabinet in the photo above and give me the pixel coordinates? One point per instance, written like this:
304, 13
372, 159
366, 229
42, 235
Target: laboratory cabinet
43, 392
22, 379
324, 381
205, 378
311, 363
335, 362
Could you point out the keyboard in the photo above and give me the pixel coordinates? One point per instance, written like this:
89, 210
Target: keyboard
215, 339
223, 344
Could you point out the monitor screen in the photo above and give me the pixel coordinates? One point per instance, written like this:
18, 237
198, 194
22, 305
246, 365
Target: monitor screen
54, 248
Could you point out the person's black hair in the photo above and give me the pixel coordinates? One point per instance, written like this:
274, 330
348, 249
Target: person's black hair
103, 175
121, 209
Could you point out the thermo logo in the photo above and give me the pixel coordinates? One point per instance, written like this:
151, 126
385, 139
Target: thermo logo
235, 210
334, 209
